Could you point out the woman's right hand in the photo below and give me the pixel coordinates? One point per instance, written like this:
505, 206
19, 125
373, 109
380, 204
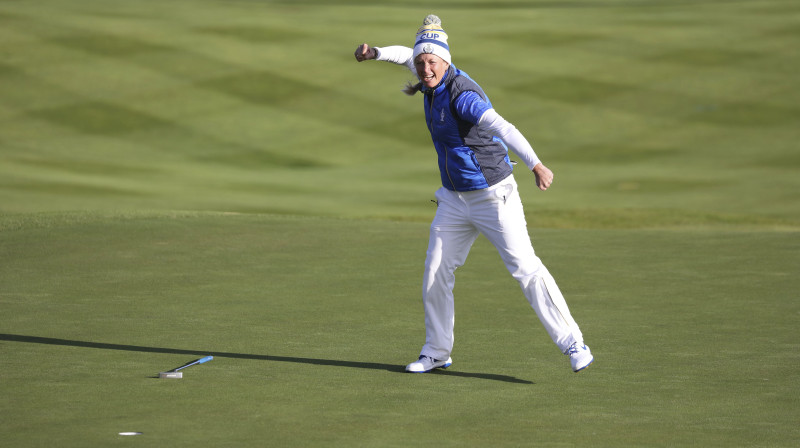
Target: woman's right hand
365, 52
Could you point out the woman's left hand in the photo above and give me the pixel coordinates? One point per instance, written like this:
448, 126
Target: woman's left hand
544, 177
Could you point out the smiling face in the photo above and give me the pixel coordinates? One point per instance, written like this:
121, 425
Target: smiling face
430, 69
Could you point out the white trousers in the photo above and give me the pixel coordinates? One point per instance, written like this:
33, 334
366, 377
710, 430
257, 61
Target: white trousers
495, 212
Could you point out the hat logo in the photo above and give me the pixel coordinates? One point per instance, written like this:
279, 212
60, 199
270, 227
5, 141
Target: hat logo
427, 49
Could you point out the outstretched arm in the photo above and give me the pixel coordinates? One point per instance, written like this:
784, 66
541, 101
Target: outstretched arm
396, 54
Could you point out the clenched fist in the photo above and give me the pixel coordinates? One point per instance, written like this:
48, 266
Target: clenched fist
544, 177
365, 52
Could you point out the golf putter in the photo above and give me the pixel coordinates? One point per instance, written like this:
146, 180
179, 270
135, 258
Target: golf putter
176, 373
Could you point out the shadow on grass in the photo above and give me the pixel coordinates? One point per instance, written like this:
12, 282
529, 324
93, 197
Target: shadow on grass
313, 361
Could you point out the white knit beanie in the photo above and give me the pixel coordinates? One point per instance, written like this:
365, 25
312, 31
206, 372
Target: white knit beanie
431, 39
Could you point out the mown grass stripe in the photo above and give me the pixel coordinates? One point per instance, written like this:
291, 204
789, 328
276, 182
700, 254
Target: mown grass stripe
257, 34
102, 118
107, 45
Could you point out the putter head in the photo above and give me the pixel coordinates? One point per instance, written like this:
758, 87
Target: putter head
170, 375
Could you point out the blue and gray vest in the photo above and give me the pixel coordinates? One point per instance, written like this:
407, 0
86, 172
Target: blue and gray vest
469, 158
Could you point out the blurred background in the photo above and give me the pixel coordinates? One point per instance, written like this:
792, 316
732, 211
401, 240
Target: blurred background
650, 113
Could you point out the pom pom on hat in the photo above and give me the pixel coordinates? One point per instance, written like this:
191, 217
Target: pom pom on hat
431, 19
431, 39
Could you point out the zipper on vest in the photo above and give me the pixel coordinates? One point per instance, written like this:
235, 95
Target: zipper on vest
446, 156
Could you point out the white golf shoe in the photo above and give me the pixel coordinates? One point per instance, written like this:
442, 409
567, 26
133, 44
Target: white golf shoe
426, 364
579, 356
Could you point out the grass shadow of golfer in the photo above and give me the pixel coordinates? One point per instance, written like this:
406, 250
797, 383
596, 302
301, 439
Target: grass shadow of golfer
299, 360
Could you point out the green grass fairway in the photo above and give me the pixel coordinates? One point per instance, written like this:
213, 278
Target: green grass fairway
311, 321
181, 178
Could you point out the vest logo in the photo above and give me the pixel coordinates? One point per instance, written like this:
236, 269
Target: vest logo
441, 116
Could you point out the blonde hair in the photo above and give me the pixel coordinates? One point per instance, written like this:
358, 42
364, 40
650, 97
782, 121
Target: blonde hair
412, 89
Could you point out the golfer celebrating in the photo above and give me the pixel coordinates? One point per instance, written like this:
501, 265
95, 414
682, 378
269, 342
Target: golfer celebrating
478, 196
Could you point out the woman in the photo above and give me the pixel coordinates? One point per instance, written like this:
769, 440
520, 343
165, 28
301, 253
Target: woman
478, 196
